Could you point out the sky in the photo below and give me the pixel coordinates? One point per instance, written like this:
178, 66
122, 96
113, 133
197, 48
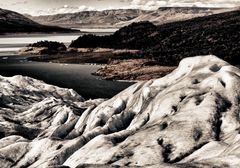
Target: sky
45, 7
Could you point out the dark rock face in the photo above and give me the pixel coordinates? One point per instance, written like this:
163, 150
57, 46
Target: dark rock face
134, 36
189, 118
13, 22
216, 34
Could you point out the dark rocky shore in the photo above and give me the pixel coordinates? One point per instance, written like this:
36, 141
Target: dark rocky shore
120, 64
133, 69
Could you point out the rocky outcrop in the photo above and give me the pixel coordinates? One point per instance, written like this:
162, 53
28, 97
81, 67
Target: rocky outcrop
79, 55
13, 22
189, 118
134, 36
43, 47
133, 69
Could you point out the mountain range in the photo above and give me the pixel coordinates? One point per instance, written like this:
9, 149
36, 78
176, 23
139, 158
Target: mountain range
13, 22
122, 17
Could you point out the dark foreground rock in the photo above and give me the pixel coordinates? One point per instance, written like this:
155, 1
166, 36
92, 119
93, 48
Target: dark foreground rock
189, 118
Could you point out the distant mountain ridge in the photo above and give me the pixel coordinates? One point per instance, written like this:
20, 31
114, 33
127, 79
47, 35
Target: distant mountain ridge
13, 22
123, 17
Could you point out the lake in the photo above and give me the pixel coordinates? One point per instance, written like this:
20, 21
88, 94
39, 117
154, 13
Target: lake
13, 42
76, 76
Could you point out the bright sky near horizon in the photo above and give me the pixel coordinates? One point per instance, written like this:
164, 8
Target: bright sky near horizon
43, 7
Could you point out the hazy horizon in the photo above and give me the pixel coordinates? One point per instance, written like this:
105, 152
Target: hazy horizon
44, 7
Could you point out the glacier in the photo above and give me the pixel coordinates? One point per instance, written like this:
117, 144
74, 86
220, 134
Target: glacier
189, 118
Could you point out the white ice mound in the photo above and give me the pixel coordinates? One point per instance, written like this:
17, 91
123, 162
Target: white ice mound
190, 118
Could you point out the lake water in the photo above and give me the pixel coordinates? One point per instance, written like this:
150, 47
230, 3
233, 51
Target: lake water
76, 76
98, 30
12, 43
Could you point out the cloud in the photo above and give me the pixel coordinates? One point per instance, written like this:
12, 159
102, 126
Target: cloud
63, 9
40, 7
154, 4
201, 3
19, 2
147, 5
137, 2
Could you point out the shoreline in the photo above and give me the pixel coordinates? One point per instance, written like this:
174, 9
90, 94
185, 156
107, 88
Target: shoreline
76, 76
133, 70
5, 35
116, 65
